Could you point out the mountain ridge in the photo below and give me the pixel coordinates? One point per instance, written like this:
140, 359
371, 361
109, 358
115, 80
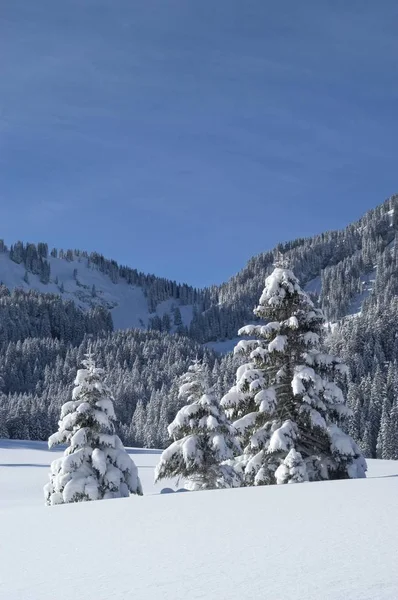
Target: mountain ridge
214, 313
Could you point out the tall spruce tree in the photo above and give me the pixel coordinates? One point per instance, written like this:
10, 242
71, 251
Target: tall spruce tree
383, 439
391, 436
95, 465
203, 438
286, 397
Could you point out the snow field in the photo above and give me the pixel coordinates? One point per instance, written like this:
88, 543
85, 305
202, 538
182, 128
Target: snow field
331, 540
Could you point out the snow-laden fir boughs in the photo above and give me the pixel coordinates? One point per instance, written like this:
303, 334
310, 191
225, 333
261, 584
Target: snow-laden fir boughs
286, 397
292, 470
95, 465
204, 439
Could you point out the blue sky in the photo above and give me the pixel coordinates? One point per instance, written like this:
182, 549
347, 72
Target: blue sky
182, 136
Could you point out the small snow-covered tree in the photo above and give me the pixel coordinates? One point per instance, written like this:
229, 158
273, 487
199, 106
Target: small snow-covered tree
203, 438
95, 465
287, 403
292, 470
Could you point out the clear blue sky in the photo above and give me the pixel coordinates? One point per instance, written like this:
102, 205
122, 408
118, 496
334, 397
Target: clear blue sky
183, 136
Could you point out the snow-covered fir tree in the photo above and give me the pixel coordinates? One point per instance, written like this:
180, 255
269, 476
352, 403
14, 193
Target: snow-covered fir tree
286, 400
292, 470
95, 465
203, 438
391, 447
384, 437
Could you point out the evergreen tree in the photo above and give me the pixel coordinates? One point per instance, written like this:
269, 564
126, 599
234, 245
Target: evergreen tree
166, 323
203, 438
178, 324
45, 271
95, 466
292, 470
391, 436
137, 425
286, 397
374, 414
383, 439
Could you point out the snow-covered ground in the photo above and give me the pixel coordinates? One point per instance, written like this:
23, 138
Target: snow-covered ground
333, 540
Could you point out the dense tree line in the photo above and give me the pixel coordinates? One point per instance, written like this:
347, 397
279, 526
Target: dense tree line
29, 314
142, 367
369, 343
33, 257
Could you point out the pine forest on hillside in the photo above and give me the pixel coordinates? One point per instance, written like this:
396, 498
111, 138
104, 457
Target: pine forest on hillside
351, 274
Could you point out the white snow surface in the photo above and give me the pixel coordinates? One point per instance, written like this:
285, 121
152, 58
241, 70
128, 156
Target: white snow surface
127, 303
329, 540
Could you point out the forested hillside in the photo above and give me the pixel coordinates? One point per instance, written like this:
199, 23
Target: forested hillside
338, 266
134, 299
53, 304
37, 374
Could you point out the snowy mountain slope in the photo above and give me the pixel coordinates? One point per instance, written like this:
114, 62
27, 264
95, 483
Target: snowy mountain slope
329, 540
127, 303
367, 284
338, 266
167, 306
367, 279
